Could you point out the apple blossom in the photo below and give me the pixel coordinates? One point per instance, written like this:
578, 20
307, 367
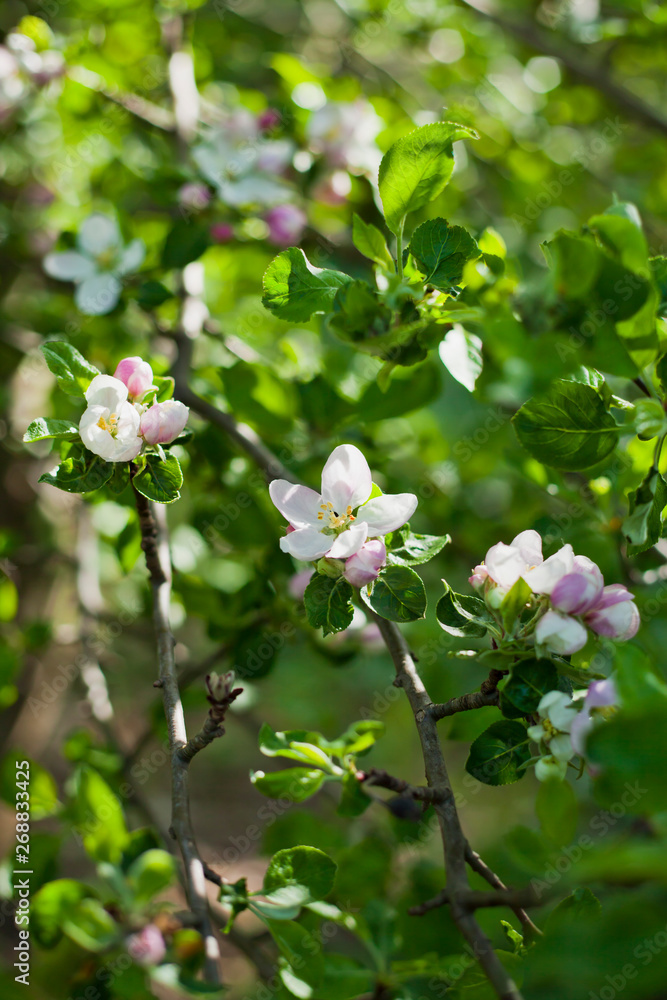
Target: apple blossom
579, 590
286, 224
614, 615
601, 699
161, 423
325, 523
147, 947
109, 427
363, 567
137, 375
556, 714
560, 633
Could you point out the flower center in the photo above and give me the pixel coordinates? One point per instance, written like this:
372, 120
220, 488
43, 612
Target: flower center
332, 523
549, 729
109, 424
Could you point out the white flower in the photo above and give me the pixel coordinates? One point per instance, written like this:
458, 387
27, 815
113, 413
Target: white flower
556, 716
505, 564
345, 133
560, 634
110, 425
326, 523
98, 264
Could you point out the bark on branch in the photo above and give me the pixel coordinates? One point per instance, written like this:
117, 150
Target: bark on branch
487, 695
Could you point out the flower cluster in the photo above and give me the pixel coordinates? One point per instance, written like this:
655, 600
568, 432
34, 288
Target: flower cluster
571, 588
563, 726
122, 415
345, 522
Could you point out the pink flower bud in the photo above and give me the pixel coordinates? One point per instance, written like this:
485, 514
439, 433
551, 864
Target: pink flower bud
479, 577
221, 232
286, 224
147, 947
136, 374
194, 196
269, 119
560, 634
619, 621
580, 590
161, 423
363, 567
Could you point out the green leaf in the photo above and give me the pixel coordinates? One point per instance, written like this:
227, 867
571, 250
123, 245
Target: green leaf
354, 800
496, 757
441, 252
461, 354
643, 525
151, 873
406, 548
529, 681
152, 294
580, 906
41, 786
120, 478
568, 428
44, 427
51, 904
186, 241
402, 395
165, 387
90, 926
345, 979
308, 872
462, 615
514, 603
328, 603
629, 759
369, 241
80, 472
73, 372
294, 289
416, 169
160, 479
99, 820
556, 808
398, 594
649, 419
304, 956
294, 783
358, 313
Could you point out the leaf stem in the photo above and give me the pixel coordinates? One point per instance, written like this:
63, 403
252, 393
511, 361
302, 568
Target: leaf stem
399, 249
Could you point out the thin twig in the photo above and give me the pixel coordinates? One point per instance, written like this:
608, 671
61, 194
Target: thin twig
479, 866
487, 695
156, 550
453, 839
383, 780
473, 900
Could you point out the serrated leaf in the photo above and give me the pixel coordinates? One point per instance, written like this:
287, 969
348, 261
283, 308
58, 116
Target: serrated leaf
398, 595
369, 241
73, 372
294, 289
441, 252
80, 472
643, 525
45, 427
328, 603
496, 757
529, 681
417, 168
462, 615
568, 428
159, 480
407, 548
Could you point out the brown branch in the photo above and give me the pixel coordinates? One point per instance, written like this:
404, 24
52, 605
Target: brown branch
473, 900
155, 546
579, 64
221, 695
383, 780
453, 839
474, 860
487, 695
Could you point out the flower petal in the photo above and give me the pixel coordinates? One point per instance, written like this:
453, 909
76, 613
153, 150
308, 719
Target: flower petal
579, 730
68, 266
306, 544
349, 541
542, 579
601, 694
98, 233
529, 544
620, 621
363, 567
560, 634
504, 564
106, 390
298, 504
561, 747
346, 478
98, 294
388, 512
131, 258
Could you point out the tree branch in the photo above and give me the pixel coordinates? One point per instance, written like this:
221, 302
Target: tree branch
479, 866
579, 64
472, 900
156, 549
383, 780
454, 842
487, 695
